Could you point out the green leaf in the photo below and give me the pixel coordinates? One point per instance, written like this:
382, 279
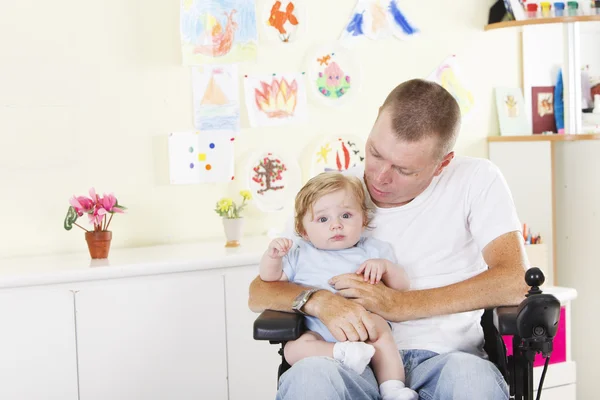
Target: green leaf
70, 218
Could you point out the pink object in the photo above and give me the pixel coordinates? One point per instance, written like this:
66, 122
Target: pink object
559, 352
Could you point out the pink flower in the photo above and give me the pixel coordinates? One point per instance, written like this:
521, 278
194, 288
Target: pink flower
97, 216
81, 204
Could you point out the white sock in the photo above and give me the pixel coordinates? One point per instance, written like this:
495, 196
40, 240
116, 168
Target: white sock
395, 390
354, 355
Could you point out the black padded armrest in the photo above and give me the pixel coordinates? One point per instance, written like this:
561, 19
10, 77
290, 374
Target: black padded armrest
277, 326
505, 320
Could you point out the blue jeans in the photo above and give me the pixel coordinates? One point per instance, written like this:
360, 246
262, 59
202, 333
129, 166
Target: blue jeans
434, 376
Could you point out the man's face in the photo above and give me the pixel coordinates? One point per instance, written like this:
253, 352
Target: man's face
397, 171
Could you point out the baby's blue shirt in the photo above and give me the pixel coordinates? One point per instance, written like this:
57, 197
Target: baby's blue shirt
309, 266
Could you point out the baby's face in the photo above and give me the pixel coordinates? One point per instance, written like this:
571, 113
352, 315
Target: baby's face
335, 223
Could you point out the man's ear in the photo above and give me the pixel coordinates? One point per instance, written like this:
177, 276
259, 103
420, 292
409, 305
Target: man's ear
445, 162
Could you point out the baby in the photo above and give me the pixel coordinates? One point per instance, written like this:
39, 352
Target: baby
331, 215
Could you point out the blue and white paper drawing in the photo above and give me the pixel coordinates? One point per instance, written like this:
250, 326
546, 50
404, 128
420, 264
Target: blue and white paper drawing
377, 19
216, 98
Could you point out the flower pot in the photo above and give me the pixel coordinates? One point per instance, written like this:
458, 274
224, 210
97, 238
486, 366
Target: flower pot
233, 228
98, 243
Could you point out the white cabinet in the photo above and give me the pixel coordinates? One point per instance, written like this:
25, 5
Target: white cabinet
37, 345
152, 338
252, 364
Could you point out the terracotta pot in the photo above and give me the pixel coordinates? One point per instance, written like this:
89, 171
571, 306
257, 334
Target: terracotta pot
233, 228
98, 243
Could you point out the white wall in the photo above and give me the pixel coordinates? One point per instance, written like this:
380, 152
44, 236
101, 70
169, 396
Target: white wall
89, 91
577, 236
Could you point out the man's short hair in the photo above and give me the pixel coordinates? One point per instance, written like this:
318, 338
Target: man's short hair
421, 108
323, 184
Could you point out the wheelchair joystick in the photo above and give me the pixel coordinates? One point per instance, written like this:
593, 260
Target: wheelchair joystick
534, 278
537, 317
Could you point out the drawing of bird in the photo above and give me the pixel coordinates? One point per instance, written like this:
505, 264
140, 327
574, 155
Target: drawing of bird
278, 18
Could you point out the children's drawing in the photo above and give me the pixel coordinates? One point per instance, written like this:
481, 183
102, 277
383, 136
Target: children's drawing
338, 153
273, 179
333, 75
275, 99
377, 19
216, 98
217, 31
448, 76
284, 20
196, 157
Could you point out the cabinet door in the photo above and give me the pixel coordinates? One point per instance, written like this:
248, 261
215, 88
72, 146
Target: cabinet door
152, 338
37, 345
253, 364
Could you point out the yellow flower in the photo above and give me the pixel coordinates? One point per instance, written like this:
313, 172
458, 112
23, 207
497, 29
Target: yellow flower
246, 195
224, 204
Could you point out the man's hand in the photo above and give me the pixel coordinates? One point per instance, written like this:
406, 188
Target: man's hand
345, 319
279, 247
377, 298
373, 269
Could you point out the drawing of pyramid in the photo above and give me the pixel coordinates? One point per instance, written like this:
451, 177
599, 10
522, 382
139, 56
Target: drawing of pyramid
213, 94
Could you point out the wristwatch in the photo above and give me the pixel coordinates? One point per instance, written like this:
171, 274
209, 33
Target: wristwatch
301, 300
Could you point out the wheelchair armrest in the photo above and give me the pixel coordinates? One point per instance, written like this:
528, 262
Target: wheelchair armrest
278, 326
505, 320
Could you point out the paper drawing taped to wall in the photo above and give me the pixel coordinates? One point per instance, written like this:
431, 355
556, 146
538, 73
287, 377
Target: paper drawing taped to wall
333, 74
276, 99
377, 19
449, 77
216, 98
273, 179
200, 157
284, 20
338, 153
217, 31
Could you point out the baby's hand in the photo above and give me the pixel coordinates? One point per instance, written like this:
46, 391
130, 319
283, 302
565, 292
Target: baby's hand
373, 269
279, 247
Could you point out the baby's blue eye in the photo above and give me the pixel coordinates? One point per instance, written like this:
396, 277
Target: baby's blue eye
346, 215
322, 219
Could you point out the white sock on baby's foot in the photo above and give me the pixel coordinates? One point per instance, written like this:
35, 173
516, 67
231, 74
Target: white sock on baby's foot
395, 390
354, 355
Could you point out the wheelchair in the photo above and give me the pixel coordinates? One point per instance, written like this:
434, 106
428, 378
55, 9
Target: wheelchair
533, 325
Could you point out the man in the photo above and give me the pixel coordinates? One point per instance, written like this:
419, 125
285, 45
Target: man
453, 226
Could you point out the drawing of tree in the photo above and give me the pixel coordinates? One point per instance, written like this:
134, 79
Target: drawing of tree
267, 172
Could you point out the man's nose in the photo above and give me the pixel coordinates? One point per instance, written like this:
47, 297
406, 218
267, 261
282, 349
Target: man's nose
383, 176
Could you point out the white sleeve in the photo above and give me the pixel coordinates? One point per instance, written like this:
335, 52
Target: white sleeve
290, 261
490, 207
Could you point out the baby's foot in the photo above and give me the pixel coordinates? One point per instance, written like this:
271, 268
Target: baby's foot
395, 390
354, 355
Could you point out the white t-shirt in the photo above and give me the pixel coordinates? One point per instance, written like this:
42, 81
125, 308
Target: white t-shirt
438, 239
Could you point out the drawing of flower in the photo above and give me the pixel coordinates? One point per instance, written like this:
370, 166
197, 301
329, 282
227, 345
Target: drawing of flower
278, 99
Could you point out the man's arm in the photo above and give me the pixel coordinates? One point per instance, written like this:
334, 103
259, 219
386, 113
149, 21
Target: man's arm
502, 284
345, 319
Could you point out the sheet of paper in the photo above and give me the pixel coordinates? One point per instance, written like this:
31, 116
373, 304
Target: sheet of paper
277, 99
196, 157
377, 19
284, 21
218, 31
448, 75
338, 153
216, 98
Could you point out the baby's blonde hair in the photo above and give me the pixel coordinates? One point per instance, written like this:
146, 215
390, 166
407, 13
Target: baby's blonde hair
323, 184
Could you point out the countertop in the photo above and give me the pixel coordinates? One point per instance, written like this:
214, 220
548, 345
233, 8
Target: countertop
121, 263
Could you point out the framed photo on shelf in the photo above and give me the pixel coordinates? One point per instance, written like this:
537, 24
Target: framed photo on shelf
510, 107
542, 113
